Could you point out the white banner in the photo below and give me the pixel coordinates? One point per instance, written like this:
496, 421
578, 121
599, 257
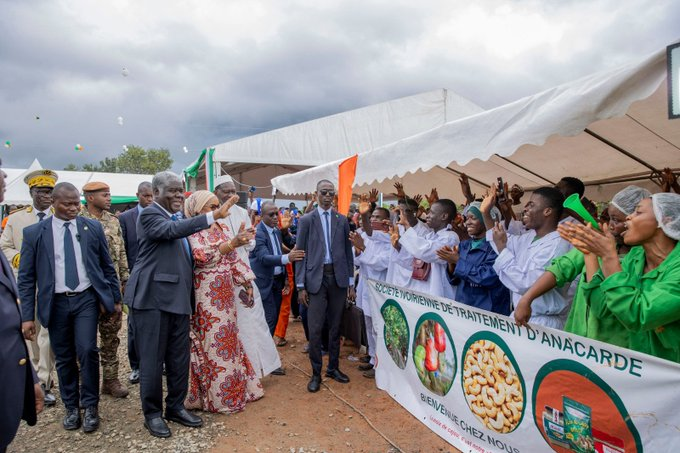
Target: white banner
484, 384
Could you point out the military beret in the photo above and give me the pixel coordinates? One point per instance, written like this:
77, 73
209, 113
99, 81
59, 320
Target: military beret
95, 186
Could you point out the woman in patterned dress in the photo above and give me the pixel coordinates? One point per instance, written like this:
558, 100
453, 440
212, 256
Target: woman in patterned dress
221, 378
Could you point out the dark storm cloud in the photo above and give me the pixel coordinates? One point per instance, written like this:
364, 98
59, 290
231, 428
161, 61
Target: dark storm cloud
195, 87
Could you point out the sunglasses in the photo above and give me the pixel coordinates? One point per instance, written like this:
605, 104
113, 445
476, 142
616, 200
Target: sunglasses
326, 192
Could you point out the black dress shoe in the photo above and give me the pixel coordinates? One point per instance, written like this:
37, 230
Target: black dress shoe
279, 372
72, 419
365, 367
50, 399
134, 376
365, 359
184, 417
157, 427
91, 419
314, 383
337, 375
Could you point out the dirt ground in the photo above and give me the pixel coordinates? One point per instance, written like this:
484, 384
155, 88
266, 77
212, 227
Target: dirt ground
287, 419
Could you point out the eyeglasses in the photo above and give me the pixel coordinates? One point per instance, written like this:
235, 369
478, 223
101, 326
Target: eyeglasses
326, 192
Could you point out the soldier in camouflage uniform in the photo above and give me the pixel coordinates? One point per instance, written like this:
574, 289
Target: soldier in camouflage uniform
98, 202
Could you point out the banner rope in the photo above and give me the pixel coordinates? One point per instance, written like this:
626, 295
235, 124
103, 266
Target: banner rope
353, 408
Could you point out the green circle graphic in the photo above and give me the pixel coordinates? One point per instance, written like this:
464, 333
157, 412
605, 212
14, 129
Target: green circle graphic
494, 338
584, 371
396, 333
440, 380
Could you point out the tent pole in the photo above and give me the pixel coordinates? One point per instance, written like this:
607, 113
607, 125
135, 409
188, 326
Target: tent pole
621, 150
457, 173
525, 169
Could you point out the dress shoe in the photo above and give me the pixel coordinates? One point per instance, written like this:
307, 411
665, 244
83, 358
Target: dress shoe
365, 367
72, 419
114, 388
157, 427
279, 372
369, 373
134, 377
91, 419
184, 417
305, 348
50, 399
314, 383
365, 359
337, 375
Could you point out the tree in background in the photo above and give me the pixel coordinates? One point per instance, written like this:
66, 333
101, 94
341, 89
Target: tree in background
133, 160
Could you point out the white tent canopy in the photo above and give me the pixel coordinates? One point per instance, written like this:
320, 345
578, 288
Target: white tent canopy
121, 184
591, 128
344, 134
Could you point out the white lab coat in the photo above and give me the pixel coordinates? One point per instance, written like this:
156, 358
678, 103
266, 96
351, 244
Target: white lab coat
373, 263
400, 267
519, 266
423, 244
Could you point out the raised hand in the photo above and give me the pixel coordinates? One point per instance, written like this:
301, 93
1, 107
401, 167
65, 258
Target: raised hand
418, 198
364, 204
465, 187
489, 200
400, 190
373, 195
357, 241
500, 236
589, 240
433, 197
244, 236
286, 220
394, 236
223, 211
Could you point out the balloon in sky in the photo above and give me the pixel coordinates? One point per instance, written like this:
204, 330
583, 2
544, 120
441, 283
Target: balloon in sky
125, 72
37, 117
8, 144
78, 147
120, 120
185, 149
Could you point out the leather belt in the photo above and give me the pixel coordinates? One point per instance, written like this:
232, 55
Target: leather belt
328, 268
73, 293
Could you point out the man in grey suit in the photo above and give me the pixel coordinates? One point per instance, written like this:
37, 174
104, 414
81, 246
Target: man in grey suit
325, 279
160, 293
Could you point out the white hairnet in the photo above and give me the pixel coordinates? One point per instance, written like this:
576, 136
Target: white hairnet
627, 199
476, 205
667, 212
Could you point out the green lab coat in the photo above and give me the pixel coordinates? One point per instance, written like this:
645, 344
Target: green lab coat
647, 305
591, 320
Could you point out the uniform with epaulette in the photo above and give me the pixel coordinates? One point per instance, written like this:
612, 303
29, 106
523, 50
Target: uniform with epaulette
110, 323
40, 182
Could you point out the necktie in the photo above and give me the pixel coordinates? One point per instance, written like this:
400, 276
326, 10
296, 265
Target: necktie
327, 219
185, 242
277, 251
71, 268
41, 216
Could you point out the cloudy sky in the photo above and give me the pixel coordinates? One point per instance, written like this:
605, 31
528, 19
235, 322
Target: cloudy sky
202, 72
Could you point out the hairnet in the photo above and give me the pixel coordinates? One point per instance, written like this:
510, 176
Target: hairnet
474, 209
627, 199
667, 212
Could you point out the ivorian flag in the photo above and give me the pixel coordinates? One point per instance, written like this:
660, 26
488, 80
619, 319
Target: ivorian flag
346, 172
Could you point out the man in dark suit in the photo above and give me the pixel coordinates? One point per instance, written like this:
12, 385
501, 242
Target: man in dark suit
21, 395
160, 294
67, 258
128, 223
325, 279
269, 263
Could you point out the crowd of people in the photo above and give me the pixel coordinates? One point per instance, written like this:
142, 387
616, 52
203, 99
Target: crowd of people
208, 286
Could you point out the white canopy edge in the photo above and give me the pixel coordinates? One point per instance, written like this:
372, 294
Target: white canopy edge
565, 110
341, 135
121, 184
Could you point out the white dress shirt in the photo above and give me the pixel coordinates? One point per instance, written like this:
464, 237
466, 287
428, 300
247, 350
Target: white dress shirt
47, 212
59, 257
